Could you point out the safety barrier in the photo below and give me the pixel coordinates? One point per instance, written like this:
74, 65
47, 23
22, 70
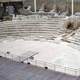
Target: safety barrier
11, 56
56, 67
18, 58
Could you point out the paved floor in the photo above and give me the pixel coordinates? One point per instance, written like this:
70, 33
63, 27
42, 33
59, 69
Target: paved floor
10, 70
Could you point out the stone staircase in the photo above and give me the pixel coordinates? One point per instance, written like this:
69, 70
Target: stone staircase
75, 38
51, 27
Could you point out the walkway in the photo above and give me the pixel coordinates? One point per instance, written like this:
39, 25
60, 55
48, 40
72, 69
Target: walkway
10, 70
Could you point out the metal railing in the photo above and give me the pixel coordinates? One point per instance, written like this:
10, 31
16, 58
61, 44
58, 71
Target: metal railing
54, 67
18, 58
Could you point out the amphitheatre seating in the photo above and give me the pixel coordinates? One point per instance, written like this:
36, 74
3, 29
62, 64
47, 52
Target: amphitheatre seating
49, 27
75, 38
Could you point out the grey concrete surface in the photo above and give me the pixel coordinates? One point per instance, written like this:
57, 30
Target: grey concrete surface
10, 70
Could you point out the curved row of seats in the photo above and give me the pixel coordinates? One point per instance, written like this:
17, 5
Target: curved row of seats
40, 27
